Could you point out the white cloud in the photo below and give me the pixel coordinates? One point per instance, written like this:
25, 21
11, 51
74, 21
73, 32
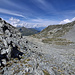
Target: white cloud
33, 23
73, 19
5, 11
67, 21
44, 22
16, 22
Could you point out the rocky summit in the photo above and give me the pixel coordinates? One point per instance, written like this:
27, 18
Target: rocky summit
25, 55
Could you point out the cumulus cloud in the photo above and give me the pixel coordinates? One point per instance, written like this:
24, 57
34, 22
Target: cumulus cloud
67, 21
17, 22
13, 21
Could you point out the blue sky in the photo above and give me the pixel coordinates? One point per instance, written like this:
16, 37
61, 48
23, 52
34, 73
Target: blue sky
34, 13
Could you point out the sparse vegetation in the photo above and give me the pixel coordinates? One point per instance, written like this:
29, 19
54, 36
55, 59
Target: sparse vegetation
28, 65
53, 39
46, 72
27, 73
64, 43
57, 41
28, 59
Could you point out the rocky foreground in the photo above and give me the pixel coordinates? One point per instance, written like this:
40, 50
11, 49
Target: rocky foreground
28, 56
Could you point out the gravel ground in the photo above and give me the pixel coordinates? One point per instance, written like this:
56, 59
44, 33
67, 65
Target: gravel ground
63, 56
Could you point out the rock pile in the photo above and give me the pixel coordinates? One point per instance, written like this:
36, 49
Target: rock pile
9, 42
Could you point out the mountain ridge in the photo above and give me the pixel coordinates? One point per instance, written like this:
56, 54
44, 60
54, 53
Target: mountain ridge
27, 31
57, 32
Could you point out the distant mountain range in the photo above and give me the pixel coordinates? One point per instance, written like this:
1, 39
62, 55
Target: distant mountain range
39, 28
36, 28
27, 31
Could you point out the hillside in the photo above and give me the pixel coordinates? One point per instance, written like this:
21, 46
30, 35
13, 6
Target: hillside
58, 34
27, 31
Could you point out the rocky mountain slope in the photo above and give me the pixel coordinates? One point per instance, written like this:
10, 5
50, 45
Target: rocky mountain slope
27, 31
25, 55
58, 34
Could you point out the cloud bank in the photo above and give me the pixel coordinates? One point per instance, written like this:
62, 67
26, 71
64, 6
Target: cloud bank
32, 23
67, 21
17, 22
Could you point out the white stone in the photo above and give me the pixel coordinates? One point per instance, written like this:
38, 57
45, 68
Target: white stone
3, 51
4, 61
